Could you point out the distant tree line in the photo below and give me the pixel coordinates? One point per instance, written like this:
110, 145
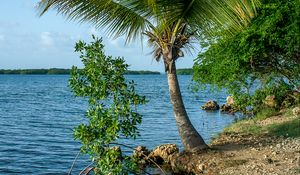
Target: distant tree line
141, 72
35, 71
62, 71
186, 71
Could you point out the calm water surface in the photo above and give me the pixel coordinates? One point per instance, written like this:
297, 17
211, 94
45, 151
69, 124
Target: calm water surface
38, 114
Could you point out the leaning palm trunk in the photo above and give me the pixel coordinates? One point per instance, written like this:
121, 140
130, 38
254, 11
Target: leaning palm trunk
190, 138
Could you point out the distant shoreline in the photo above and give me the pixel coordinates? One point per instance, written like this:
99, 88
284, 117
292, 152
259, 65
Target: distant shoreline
58, 71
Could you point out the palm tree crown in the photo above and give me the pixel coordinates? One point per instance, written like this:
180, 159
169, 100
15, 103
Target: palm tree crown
167, 23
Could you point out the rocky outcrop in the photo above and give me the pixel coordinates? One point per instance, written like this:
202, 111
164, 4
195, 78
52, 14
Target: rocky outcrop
228, 106
270, 101
141, 152
163, 153
296, 111
211, 105
229, 100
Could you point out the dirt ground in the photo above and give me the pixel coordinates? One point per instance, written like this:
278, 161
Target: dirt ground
240, 154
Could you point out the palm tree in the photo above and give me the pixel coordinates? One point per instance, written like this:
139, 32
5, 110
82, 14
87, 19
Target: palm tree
170, 25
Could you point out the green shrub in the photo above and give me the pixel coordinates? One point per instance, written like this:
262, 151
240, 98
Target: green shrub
112, 110
278, 89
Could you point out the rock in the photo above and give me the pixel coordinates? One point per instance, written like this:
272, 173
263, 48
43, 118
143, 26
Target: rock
163, 153
173, 161
296, 111
253, 149
268, 159
270, 101
211, 105
227, 108
141, 152
201, 167
229, 100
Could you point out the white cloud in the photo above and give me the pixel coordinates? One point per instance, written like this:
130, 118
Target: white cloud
46, 39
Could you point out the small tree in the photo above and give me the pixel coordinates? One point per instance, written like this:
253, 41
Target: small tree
266, 52
112, 109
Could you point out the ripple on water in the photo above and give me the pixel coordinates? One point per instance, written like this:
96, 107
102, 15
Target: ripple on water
38, 114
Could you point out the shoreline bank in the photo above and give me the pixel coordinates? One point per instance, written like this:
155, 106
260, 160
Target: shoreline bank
249, 146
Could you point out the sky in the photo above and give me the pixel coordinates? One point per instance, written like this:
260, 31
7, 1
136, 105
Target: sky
28, 41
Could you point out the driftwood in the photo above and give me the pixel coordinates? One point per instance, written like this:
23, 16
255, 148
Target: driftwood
87, 169
70, 171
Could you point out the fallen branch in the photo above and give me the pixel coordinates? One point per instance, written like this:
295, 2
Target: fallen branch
87, 168
74, 161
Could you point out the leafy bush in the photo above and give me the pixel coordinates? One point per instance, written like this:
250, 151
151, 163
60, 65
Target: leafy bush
112, 111
266, 52
279, 90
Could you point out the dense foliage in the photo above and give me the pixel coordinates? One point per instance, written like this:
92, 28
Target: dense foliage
263, 56
186, 71
112, 111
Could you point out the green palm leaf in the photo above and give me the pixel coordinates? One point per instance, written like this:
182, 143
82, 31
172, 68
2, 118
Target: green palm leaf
118, 17
131, 18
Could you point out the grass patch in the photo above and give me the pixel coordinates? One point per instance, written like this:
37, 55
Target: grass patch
289, 112
246, 126
266, 113
287, 129
290, 128
297, 170
253, 129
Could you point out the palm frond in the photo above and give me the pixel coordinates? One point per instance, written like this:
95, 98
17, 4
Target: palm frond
168, 24
208, 16
133, 17
118, 17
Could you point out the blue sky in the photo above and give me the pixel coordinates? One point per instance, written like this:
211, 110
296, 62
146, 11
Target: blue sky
30, 41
